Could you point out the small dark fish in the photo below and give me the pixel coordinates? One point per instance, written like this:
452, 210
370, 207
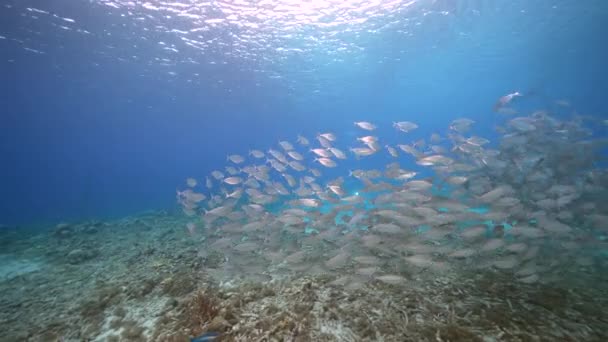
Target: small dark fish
206, 337
499, 231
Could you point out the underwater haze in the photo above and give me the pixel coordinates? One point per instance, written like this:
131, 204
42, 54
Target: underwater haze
321, 170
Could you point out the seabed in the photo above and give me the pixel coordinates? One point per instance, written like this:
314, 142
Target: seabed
144, 279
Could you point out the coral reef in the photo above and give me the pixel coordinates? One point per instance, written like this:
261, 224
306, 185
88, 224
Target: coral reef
154, 284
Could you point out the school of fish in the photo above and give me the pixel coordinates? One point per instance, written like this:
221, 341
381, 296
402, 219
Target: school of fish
529, 204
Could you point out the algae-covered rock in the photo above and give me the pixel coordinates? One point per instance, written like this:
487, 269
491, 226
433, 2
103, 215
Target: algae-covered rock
63, 230
91, 230
132, 331
78, 256
218, 323
179, 284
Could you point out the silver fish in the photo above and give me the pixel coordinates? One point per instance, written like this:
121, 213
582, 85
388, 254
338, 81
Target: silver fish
368, 126
405, 126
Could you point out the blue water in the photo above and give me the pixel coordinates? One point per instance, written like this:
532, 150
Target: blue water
105, 108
